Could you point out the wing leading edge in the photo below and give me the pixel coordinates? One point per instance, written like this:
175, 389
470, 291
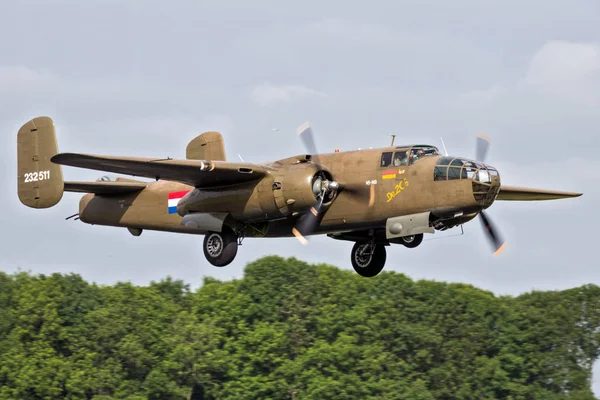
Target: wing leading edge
201, 174
529, 194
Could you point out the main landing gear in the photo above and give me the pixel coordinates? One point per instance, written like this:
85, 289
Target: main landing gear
368, 258
220, 248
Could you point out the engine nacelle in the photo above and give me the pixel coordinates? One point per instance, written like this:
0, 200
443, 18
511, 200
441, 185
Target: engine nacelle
301, 187
293, 189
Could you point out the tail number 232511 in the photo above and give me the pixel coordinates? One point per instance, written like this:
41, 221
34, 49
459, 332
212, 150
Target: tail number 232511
37, 176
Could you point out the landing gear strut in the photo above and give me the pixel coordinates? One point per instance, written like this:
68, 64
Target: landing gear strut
220, 248
368, 259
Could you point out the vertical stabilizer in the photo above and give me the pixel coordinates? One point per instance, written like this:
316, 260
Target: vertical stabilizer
40, 182
207, 146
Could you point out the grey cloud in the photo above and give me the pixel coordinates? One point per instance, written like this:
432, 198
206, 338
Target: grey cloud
560, 69
268, 94
358, 33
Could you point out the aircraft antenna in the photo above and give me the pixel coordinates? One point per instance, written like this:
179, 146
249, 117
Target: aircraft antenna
443, 144
393, 137
241, 158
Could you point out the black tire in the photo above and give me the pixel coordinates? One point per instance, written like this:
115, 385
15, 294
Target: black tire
220, 248
368, 265
412, 241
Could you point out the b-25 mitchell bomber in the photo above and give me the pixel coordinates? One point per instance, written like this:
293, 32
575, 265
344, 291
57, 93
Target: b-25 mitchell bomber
373, 197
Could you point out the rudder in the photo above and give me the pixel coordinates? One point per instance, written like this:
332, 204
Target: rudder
40, 181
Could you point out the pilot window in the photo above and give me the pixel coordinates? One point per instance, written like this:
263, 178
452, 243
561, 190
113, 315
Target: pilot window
400, 158
416, 154
386, 159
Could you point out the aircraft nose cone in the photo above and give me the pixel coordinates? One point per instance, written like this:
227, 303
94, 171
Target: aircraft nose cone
486, 185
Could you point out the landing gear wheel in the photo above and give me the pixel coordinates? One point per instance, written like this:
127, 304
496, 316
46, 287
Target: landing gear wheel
220, 248
412, 241
368, 259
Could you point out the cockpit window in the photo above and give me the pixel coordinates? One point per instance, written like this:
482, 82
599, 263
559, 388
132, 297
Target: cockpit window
386, 159
400, 158
422, 151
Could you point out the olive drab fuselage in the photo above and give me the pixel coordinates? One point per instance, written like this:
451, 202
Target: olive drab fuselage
266, 207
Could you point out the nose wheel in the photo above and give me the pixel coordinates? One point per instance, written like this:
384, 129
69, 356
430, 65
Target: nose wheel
368, 259
412, 241
220, 248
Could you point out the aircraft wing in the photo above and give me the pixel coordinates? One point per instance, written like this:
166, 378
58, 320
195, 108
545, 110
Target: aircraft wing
201, 174
528, 194
104, 187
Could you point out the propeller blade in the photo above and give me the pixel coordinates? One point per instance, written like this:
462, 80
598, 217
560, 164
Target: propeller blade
299, 236
360, 192
308, 222
492, 233
306, 135
482, 146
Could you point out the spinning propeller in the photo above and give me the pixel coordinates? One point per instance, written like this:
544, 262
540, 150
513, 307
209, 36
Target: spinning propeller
481, 149
324, 187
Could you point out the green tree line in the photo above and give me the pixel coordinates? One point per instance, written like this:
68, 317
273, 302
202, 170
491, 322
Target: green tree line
292, 330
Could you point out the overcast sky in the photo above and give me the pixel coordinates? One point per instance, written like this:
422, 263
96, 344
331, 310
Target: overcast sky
142, 78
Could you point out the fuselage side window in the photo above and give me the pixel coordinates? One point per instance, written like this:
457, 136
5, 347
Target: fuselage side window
386, 159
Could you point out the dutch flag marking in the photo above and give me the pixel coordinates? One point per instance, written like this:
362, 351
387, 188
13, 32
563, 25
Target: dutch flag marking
174, 198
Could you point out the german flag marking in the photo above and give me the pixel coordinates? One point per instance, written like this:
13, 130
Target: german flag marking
389, 174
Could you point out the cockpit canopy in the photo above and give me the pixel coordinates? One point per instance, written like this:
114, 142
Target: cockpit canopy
449, 168
407, 155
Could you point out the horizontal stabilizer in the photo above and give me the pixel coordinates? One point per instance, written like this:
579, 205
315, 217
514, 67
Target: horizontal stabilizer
528, 194
104, 188
201, 174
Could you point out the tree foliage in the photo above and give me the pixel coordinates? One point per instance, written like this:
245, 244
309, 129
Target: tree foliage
290, 330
